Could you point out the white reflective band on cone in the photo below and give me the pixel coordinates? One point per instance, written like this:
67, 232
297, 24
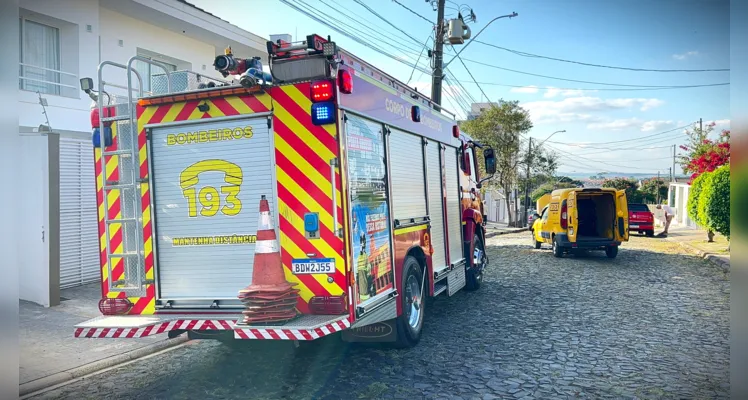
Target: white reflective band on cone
265, 223
266, 246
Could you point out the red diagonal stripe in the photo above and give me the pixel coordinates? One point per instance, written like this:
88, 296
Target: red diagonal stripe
242, 334
253, 103
147, 331
131, 332
306, 152
273, 334
300, 209
306, 334
160, 113
104, 332
224, 106
78, 332
306, 247
187, 110
302, 180
304, 118
118, 332
142, 303
319, 332
257, 334
224, 324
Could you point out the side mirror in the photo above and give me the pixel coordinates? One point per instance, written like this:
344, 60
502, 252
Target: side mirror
86, 84
490, 160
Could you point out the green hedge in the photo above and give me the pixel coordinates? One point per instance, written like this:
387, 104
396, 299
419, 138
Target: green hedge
715, 196
694, 193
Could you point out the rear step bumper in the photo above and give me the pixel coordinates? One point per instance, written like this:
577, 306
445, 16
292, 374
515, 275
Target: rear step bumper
305, 327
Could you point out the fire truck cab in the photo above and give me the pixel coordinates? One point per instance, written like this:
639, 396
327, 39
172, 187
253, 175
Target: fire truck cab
373, 195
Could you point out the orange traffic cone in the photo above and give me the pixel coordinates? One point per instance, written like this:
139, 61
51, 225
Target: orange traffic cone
270, 298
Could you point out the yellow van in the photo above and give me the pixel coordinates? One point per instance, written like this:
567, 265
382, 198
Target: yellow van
591, 219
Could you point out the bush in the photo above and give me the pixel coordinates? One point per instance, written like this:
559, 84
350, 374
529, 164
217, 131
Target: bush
693, 198
716, 198
703, 200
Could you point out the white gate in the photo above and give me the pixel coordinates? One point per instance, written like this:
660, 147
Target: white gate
79, 238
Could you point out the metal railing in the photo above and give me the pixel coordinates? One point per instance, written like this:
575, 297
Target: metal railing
50, 81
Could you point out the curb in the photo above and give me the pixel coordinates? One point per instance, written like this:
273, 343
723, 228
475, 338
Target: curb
64, 376
712, 258
492, 234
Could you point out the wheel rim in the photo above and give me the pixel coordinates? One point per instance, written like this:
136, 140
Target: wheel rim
555, 247
480, 259
413, 299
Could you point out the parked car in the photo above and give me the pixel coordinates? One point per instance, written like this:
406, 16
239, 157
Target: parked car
641, 219
531, 217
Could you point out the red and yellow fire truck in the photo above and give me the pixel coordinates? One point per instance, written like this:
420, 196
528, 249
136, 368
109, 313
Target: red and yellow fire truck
372, 194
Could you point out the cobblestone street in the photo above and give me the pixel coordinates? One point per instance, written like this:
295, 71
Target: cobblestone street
652, 323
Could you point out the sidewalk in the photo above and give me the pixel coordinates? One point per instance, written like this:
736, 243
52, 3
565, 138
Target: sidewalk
695, 241
51, 355
495, 228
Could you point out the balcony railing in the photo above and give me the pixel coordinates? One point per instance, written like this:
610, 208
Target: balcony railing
34, 78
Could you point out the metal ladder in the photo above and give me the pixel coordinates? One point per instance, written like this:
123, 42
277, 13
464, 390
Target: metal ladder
128, 184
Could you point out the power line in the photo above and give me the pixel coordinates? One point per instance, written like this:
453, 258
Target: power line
471, 76
600, 162
601, 89
361, 3
411, 10
419, 59
590, 82
525, 54
625, 140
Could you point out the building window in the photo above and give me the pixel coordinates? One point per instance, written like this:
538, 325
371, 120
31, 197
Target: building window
40, 58
147, 71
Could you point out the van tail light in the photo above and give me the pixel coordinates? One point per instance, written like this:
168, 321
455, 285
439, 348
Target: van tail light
564, 215
328, 305
345, 82
322, 91
114, 306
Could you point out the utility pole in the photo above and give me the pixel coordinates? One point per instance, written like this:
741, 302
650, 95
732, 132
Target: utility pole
672, 176
701, 127
436, 78
658, 187
527, 180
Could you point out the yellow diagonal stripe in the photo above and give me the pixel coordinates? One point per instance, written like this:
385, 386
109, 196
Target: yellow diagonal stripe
296, 127
321, 246
171, 115
299, 98
297, 191
295, 252
238, 105
322, 182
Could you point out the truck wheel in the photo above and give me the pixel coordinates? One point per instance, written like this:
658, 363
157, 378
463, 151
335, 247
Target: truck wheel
611, 251
474, 274
558, 251
410, 322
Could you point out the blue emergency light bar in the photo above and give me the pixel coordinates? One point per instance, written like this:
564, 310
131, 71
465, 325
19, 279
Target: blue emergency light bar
323, 113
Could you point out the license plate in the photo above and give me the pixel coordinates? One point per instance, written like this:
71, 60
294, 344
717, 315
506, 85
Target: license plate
313, 266
633, 226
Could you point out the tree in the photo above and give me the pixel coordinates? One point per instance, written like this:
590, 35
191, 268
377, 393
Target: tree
714, 201
653, 189
566, 179
501, 127
704, 154
543, 165
549, 187
629, 185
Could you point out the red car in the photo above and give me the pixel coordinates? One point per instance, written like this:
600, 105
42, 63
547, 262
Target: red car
641, 219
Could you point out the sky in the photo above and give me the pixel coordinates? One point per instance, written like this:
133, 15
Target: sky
615, 107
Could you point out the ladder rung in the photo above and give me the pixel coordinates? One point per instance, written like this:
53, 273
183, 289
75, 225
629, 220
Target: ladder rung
121, 221
124, 153
117, 187
116, 118
123, 255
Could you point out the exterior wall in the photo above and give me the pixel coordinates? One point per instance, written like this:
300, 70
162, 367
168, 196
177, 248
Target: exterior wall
79, 56
184, 52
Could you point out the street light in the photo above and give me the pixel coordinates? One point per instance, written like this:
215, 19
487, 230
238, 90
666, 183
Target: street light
549, 136
512, 15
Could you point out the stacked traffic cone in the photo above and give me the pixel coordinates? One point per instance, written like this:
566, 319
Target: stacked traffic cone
270, 298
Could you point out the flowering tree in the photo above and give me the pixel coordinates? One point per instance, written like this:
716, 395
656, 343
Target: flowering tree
704, 154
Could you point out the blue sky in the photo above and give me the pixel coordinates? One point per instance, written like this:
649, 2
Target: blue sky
663, 34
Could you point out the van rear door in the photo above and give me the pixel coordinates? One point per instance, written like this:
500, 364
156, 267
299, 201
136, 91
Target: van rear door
572, 216
622, 217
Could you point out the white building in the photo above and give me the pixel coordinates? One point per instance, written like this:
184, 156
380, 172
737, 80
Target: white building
62, 41
678, 201
477, 109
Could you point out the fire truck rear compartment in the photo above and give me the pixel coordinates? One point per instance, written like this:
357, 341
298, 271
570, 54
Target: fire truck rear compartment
207, 180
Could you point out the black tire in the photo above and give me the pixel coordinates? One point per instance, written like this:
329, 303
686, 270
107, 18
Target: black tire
535, 242
408, 335
611, 251
473, 275
558, 250
650, 233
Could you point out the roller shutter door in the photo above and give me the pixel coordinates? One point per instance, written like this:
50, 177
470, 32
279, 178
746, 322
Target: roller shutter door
454, 219
79, 237
436, 207
408, 183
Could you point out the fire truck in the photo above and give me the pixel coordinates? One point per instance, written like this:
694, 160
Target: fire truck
369, 190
